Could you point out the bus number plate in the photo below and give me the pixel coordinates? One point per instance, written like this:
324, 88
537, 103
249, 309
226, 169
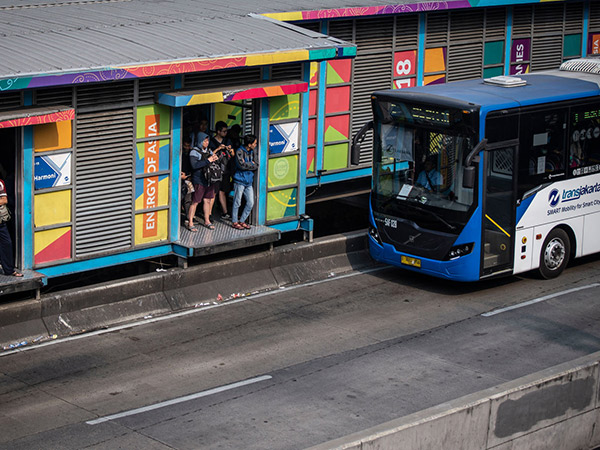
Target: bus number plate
413, 262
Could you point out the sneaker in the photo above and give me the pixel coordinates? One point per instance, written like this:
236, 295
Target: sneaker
226, 216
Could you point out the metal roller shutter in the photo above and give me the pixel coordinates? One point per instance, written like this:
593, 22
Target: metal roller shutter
148, 87
56, 96
495, 24
219, 78
465, 49
10, 100
594, 16
371, 73
547, 41
283, 72
104, 181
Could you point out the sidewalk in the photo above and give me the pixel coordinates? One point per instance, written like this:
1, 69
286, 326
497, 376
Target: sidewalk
76, 311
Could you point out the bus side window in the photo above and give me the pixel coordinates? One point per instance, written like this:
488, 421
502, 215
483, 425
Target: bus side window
584, 139
542, 149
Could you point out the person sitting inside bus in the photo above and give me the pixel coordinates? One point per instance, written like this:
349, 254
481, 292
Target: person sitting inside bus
429, 178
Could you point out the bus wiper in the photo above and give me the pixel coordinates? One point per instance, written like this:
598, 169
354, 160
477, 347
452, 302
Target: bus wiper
438, 217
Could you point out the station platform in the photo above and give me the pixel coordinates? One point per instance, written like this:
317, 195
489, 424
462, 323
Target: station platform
222, 239
30, 281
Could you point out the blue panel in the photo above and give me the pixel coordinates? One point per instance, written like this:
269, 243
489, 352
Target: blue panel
339, 176
175, 179
106, 261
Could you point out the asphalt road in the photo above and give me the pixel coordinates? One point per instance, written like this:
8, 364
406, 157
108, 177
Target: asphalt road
319, 361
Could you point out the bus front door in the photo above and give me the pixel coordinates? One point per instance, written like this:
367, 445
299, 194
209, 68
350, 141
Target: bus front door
499, 209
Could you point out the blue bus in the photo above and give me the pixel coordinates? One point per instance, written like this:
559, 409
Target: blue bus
491, 177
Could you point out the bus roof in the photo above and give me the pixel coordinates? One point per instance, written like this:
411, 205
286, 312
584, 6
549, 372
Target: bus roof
541, 87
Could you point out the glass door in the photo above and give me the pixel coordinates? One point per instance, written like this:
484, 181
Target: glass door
499, 208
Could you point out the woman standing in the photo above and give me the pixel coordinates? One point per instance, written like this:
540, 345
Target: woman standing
242, 181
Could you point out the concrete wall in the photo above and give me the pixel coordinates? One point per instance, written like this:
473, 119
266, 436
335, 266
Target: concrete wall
93, 307
557, 408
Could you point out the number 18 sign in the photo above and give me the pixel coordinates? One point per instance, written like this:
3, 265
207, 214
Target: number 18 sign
405, 65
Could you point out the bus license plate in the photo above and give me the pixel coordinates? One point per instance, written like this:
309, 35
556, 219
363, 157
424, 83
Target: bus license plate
414, 262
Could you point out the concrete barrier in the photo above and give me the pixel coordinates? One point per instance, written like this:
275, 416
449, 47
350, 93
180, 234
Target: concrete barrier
77, 310
557, 408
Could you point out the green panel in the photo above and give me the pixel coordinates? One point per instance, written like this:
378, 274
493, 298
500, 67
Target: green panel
493, 53
228, 113
332, 135
332, 76
147, 117
572, 45
283, 171
284, 107
281, 204
493, 72
335, 156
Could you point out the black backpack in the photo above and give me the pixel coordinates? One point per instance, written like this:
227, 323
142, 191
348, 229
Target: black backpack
213, 172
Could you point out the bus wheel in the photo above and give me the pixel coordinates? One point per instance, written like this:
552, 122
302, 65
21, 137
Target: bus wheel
555, 254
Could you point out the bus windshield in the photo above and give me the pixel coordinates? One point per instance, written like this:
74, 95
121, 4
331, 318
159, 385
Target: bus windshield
419, 154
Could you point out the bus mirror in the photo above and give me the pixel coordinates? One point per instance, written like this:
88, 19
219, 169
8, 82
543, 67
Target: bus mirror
468, 177
356, 141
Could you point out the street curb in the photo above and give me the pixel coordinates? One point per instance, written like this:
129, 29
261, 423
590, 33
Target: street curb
75, 311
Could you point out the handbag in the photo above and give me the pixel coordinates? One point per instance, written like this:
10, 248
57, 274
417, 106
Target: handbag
4, 214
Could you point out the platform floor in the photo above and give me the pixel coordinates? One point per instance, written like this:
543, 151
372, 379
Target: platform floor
224, 237
31, 281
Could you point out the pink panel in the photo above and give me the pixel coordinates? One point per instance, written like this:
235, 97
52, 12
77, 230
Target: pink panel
312, 131
312, 102
337, 99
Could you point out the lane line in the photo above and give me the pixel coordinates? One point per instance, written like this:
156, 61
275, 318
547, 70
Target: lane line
540, 299
186, 312
175, 401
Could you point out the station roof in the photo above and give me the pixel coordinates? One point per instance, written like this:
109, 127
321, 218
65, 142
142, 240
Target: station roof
115, 39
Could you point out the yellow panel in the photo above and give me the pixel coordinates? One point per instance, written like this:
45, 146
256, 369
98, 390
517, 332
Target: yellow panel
275, 58
52, 136
47, 237
434, 60
151, 227
285, 17
52, 208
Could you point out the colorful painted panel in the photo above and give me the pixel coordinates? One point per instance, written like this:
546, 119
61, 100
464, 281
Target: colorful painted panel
572, 45
519, 69
52, 170
335, 156
152, 156
405, 63
339, 71
281, 204
337, 99
33, 119
520, 51
435, 60
312, 102
337, 128
228, 113
493, 72
52, 208
312, 132
151, 227
314, 74
404, 83
283, 137
52, 245
434, 79
493, 53
284, 107
153, 120
593, 44
151, 192
52, 136
310, 160
283, 171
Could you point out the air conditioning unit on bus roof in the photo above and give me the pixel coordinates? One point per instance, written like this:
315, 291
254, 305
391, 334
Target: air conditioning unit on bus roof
589, 64
505, 81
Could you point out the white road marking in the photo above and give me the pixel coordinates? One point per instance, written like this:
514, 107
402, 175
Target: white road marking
540, 299
175, 401
186, 312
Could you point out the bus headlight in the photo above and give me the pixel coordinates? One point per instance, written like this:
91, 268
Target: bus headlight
459, 250
375, 235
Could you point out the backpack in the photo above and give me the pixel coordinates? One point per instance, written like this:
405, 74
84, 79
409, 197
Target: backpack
213, 172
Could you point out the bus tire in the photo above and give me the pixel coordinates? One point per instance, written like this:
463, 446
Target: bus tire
555, 253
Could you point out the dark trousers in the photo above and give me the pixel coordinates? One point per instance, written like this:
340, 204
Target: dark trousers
6, 251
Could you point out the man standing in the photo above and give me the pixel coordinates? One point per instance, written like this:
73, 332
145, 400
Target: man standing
6, 250
242, 181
